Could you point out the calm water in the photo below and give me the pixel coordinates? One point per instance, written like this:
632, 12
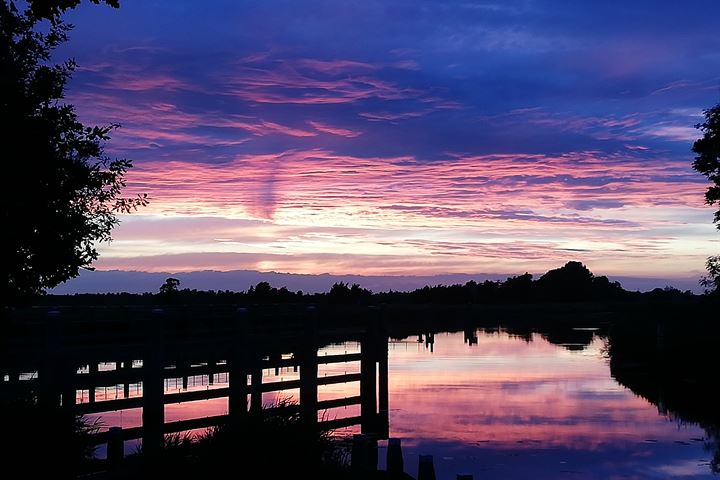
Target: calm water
490, 404
507, 408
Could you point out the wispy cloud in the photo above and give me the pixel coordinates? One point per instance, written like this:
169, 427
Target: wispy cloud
678, 133
392, 116
533, 189
332, 130
407, 138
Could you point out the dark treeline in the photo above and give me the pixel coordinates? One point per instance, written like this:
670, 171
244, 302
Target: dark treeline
573, 282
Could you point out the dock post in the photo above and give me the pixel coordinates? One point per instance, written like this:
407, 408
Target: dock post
237, 369
183, 367
115, 451
211, 373
383, 388
153, 414
237, 399
127, 367
363, 455
395, 465
69, 393
92, 375
368, 384
308, 361
430, 341
426, 469
256, 387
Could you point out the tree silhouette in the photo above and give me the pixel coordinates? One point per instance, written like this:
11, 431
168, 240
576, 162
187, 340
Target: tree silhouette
61, 192
518, 288
707, 162
170, 286
52, 9
711, 281
573, 282
342, 293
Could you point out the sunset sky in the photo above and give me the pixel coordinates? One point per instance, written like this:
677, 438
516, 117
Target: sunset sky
404, 137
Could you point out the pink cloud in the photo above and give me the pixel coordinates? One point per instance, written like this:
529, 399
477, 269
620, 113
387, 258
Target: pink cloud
334, 67
148, 124
314, 82
332, 130
678, 133
145, 83
263, 128
288, 86
515, 256
640, 148
391, 116
624, 128
135, 78
710, 84
404, 190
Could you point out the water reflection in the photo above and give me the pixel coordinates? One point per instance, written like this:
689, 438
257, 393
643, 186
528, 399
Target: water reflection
492, 403
509, 406
675, 369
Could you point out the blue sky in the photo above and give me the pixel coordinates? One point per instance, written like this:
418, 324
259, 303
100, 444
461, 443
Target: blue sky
405, 137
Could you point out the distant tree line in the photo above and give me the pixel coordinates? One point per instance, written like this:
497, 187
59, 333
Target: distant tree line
573, 282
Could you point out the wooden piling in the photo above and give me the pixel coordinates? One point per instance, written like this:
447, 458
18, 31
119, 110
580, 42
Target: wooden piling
115, 449
211, 373
368, 384
256, 389
93, 371
153, 415
127, 366
363, 455
395, 466
309, 372
237, 369
383, 388
426, 469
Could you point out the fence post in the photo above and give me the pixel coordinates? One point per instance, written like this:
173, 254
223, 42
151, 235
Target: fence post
363, 456
115, 451
153, 385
